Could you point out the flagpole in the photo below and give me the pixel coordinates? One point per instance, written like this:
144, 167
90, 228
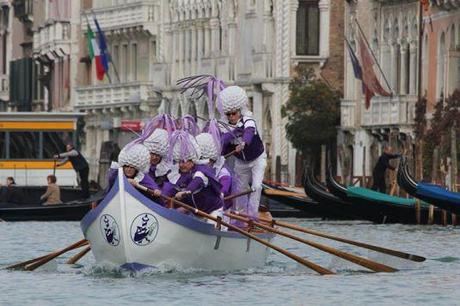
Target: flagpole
110, 56
373, 55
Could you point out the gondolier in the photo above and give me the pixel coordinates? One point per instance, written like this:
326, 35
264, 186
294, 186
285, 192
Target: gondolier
378, 175
80, 165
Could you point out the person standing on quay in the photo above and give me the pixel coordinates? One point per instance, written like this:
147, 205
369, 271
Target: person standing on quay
80, 165
378, 175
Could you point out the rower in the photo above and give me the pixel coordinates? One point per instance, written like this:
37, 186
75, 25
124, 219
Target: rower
210, 155
197, 184
160, 169
244, 139
135, 162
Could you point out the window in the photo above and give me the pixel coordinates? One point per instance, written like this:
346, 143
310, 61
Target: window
2, 145
24, 145
134, 61
125, 66
54, 142
307, 30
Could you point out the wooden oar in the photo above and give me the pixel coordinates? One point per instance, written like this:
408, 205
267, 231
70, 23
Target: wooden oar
24, 263
352, 242
299, 259
372, 265
239, 194
77, 257
27, 262
48, 258
229, 154
283, 193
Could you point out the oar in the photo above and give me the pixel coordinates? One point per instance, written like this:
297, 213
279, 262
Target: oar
229, 154
299, 259
352, 242
77, 257
372, 265
40, 262
28, 262
283, 193
239, 194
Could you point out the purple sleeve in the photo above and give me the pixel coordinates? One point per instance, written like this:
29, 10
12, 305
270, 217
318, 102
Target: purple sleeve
195, 184
148, 182
226, 143
248, 134
226, 182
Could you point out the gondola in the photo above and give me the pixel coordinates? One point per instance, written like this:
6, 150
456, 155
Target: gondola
130, 231
30, 208
285, 206
379, 207
332, 207
430, 193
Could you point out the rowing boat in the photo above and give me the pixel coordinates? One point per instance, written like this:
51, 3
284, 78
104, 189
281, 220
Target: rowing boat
133, 232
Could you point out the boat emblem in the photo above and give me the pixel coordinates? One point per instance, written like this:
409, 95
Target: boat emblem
144, 229
109, 229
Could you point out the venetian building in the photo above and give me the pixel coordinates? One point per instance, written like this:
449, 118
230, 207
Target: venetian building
254, 44
391, 28
6, 17
441, 51
38, 43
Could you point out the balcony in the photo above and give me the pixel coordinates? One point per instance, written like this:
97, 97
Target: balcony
113, 95
398, 110
53, 36
139, 15
347, 113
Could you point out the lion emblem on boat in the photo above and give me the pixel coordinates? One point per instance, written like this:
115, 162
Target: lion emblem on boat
144, 229
109, 229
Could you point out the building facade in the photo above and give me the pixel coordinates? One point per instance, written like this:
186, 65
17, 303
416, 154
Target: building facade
254, 44
392, 30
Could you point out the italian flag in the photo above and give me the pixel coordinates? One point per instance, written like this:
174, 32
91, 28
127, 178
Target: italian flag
95, 52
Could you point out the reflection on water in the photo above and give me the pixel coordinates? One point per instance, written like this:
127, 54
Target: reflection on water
281, 281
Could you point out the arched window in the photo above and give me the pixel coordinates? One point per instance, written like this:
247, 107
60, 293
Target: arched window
441, 62
307, 28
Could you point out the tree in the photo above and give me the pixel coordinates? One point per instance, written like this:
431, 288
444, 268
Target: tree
313, 113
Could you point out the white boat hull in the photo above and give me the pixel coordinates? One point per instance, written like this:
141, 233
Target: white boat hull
131, 231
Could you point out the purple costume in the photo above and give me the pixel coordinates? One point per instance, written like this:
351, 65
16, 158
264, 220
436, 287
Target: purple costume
146, 181
205, 197
225, 179
159, 180
246, 131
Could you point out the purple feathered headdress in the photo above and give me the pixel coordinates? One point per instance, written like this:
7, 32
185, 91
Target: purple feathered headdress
182, 146
212, 127
198, 85
163, 121
189, 124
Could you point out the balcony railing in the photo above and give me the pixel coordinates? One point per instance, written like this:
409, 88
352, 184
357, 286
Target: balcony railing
139, 14
347, 113
112, 95
398, 110
53, 36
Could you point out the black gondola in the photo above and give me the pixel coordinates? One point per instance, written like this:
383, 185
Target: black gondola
30, 209
430, 193
335, 207
379, 207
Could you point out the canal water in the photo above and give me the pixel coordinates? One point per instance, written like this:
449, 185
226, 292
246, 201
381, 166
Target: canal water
282, 282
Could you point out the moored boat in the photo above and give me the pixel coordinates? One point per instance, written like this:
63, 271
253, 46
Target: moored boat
29, 207
430, 193
130, 231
